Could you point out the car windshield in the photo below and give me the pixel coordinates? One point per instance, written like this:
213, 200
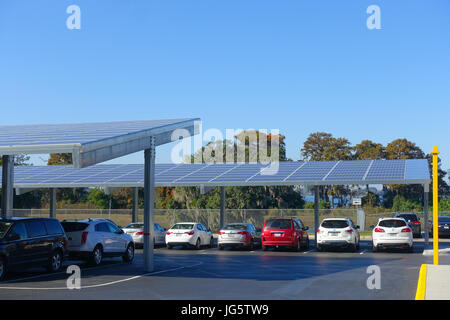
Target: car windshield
392, 223
278, 224
407, 217
74, 226
335, 224
183, 226
235, 227
135, 226
4, 226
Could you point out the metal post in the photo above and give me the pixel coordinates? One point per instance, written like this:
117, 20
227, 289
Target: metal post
149, 205
222, 206
134, 210
316, 211
435, 153
425, 213
7, 186
52, 202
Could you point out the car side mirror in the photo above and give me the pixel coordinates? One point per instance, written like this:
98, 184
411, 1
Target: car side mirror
372, 227
120, 232
357, 227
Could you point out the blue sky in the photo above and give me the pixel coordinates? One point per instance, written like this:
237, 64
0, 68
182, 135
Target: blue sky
300, 66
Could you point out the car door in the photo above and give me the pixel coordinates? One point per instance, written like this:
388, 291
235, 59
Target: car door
105, 236
17, 245
119, 241
299, 231
39, 242
201, 233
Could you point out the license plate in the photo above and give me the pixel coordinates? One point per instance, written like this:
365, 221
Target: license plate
392, 234
230, 235
333, 234
446, 227
277, 234
178, 234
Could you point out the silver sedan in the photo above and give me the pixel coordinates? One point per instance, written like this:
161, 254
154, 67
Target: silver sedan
243, 235
136, 230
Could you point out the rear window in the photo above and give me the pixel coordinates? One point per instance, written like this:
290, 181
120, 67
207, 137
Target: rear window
4, 226
183, 226
36, 229
74, 226
392, 223
135, 226
53, 227
335, 224
407, 217
235, 227
279, 224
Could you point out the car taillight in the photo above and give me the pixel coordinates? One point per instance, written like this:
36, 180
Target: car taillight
84, 237
350, 231
139, 233
416, 222
378, 230
243, 232
190, 233
168, 233
406, 230
318, 230
221, 232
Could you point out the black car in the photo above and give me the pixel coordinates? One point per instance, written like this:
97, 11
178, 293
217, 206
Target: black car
413, 221
31, 242
443, 227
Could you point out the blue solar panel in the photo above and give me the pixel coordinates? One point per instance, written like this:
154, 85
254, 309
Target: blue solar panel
353, 172
75, 133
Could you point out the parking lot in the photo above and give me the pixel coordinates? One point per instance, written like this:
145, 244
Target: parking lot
232, 274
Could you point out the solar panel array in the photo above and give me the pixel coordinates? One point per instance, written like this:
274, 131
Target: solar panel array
56, 134
234, 174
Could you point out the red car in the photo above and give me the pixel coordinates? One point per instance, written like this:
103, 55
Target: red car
284, 232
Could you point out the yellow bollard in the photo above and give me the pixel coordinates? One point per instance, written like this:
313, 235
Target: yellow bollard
435, 153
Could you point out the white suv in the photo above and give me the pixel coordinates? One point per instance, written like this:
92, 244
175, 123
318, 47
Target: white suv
392, 233
93, 239
338, 232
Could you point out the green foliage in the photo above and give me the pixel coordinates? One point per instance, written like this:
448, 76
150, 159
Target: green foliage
98, 198
59, 159
370, 200
401, 204
444, 204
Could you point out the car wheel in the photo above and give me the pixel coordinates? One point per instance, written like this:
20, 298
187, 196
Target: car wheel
2, 268
198, 244
307, 243
411, 249
298, 247
97, 255
264, 248
353, 247
129, 254
55, 263
319, 248
374, 248
220, 247
211, 241
357, 246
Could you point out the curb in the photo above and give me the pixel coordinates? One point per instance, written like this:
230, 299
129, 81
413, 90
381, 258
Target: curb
422, 283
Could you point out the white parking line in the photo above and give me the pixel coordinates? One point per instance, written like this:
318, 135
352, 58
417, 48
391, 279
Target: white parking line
308, 251
362, 252
104, 284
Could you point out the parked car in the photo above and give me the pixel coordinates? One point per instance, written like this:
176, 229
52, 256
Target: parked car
136, 231
443, 226
338, 232
31, 242
413, 220
284, 232
189, 234
243, 235
93, 239
392, 233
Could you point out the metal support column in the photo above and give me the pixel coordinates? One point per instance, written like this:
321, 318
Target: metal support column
222, 207
52, 202
135, 209
149, 205
425, 213
316, 211
7, 186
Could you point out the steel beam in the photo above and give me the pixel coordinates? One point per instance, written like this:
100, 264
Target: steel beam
149, 205
425, 213
52, 202
135, 210
316, 211
222, 206
7, 186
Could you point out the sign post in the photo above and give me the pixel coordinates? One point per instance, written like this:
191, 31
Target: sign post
435, 153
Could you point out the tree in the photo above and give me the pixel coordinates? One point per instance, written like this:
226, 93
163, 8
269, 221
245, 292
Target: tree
19, 160
403, 149
370, 200
368, 150
59, 159
98, 198
315, 146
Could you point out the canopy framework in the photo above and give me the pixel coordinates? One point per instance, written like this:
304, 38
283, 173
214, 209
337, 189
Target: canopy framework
89, 144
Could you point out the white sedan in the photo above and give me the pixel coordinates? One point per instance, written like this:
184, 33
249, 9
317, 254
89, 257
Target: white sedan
136, 230
392, 233
189, 234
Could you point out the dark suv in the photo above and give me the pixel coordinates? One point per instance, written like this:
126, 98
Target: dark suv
413, 221
31, 242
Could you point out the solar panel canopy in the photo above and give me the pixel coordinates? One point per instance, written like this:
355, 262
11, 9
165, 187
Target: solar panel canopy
228, 174
91, 143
